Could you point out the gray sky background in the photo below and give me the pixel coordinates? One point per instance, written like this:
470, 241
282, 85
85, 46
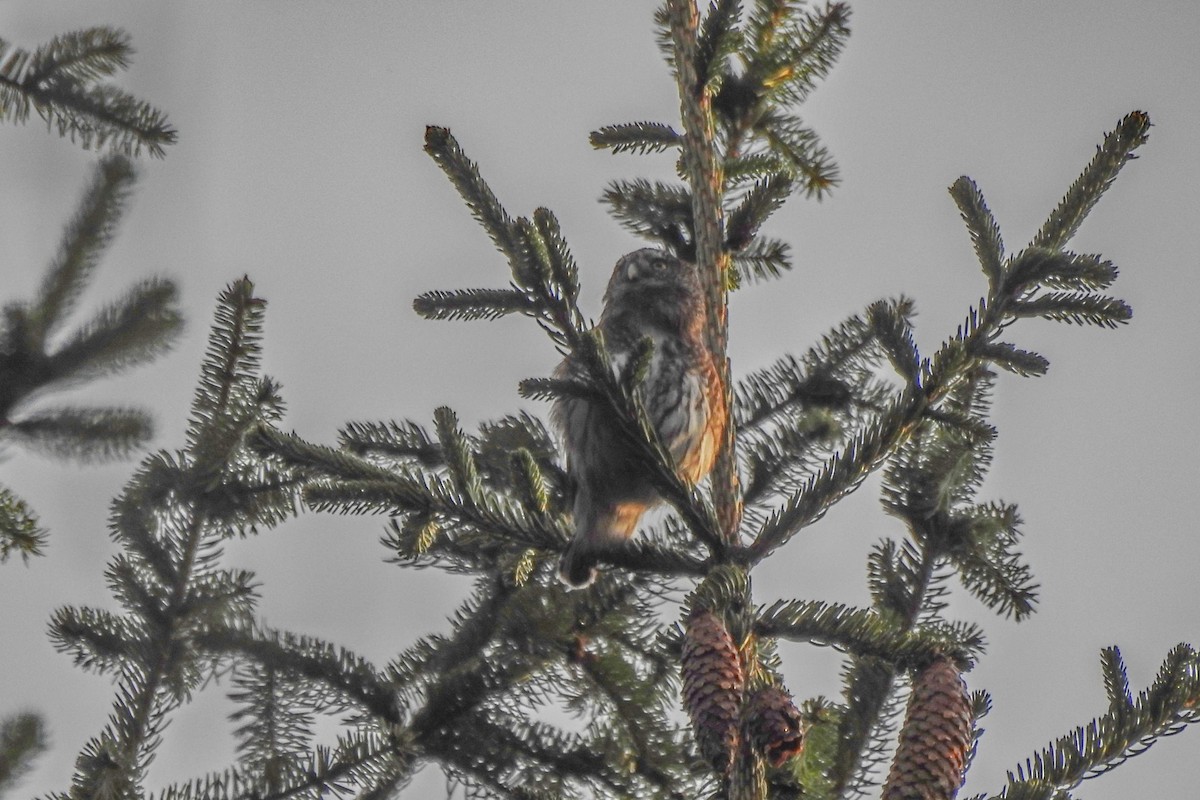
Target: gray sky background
300, 163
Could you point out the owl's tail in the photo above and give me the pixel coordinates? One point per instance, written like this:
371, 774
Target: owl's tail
597, 530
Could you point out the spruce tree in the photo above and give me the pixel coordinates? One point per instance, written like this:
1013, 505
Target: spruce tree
670, 659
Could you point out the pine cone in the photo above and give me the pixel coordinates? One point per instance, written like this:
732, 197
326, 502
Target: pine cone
774, 726
712, 688
936, 737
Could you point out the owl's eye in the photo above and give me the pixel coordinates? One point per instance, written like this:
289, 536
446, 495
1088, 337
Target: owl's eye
647, 265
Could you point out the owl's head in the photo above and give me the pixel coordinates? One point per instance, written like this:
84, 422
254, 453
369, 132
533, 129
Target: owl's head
652, 276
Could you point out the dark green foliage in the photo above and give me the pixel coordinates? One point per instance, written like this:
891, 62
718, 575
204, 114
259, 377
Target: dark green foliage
133, 330
474, 304
20, 531
720, 37
1113, 153
636, 137
793, 415
81, 434
37, 357
64, 81
931, 484
170, 522
759, 70
22, 740
866, 632
985, 233
759, 202
894, 332
1131, 726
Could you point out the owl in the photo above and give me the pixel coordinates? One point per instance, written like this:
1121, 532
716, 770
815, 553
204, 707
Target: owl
651, 294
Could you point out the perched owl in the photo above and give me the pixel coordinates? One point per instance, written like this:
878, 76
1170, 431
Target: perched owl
651, 294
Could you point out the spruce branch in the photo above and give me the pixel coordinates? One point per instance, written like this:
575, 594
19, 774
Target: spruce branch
865, 632
985, 233
563, 280
635, 137
83, 55
460, 458
789, 50
63, 81
135, 329
475, 304
775, 460
904, 586
314, 459
801, 152
764, 258
1131, 726
274, 730
743, 169
718, 39
866, 726
764, 198
1111, 155
835, 374
1061, 269
167, 578
22, 740
96, 639
1012, 358
509, 643
20, 531
36, 359
371, 760
484, 205
391, 439
84, 241
840, 475
958, 359
558, 388
894, 334
83, 434
492, 514
638, 709
931, 485
641, 556
350, 678
553, 760
1075, 307
540, 261
474, 623
989, 565
531, 484
655, 210
434, 485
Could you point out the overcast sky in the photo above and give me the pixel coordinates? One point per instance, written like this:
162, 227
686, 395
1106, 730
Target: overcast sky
299, 163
